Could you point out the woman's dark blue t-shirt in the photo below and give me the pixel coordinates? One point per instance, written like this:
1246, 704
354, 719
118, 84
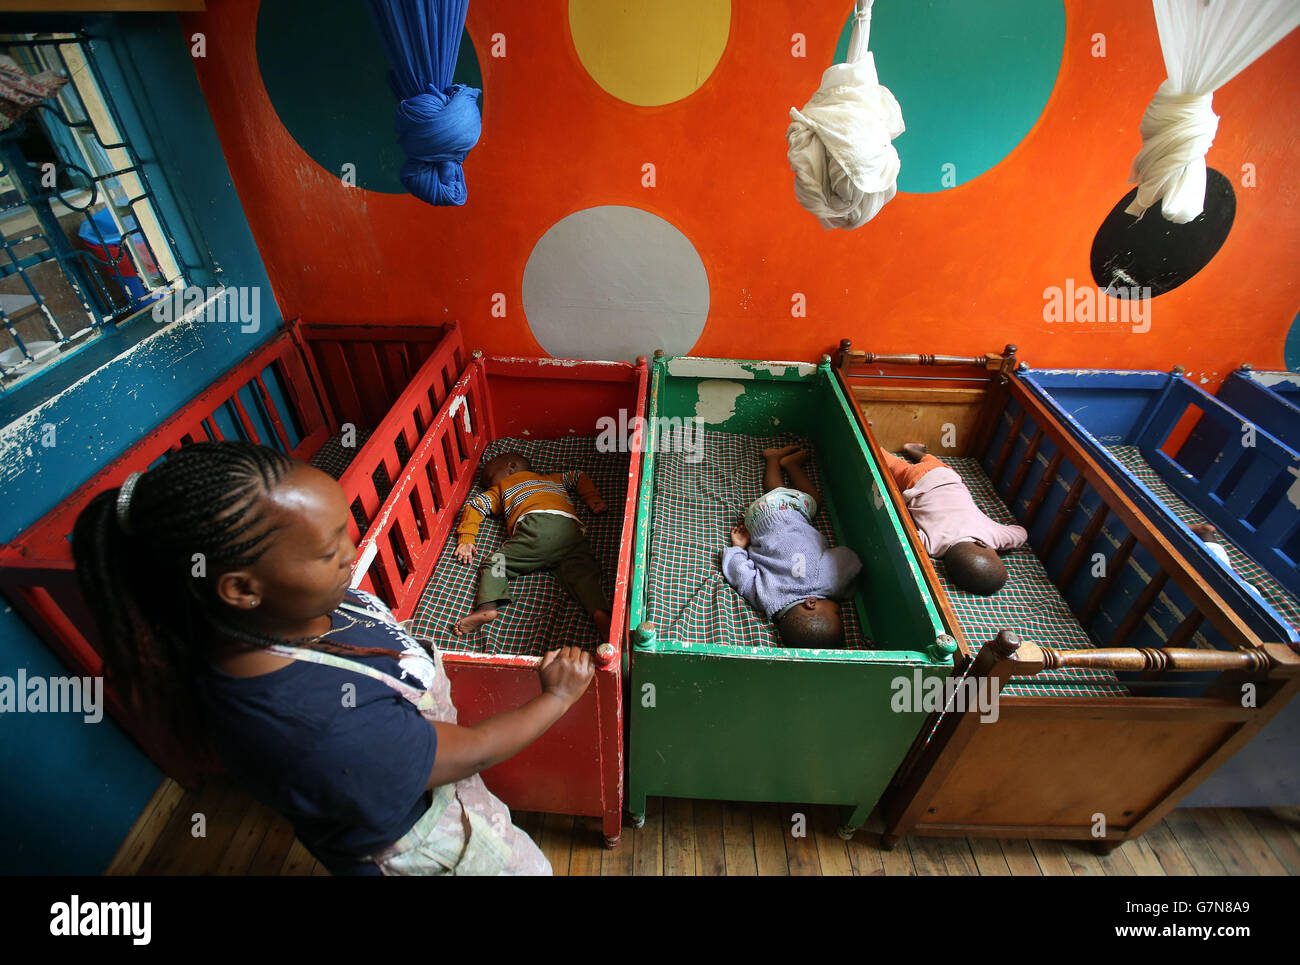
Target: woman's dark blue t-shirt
342, 756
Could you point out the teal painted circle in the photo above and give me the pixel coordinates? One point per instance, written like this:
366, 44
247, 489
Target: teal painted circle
1292, 348
971, 78
327, 76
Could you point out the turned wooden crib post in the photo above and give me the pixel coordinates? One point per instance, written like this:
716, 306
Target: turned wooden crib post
1000, 659
842, 359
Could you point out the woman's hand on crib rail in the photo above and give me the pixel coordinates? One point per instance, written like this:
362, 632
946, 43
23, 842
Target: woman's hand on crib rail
465, 552
565, 675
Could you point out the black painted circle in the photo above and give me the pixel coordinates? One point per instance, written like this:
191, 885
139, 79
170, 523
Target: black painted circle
1150, 252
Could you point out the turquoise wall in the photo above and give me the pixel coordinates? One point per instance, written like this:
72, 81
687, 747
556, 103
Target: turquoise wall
72, 790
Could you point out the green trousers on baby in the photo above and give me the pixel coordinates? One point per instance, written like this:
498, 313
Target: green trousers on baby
544, 541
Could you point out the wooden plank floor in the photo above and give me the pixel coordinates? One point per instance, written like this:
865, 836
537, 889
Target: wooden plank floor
681, 837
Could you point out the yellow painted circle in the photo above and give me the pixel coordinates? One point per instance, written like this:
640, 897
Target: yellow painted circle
650, 52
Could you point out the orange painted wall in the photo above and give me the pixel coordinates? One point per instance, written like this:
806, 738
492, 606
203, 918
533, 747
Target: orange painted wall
960, 271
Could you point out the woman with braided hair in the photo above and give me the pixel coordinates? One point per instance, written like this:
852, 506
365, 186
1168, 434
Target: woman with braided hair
219, 581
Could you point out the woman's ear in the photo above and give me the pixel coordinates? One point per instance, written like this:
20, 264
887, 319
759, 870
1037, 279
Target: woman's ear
238, 589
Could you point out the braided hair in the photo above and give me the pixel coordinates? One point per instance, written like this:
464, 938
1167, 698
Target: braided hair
155, 607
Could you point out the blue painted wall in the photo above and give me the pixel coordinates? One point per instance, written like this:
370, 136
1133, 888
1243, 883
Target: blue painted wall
72, 790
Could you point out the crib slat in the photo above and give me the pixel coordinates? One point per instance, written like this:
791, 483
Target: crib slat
1044, 487
1186, 629
1250, 488
210, 427
1280, 522
1007, 446
1063, 516
1086, 541
1212, 476
272, 414
1138, 610
1018, 480
428, 508
372, 385
1114, 566
337, 383
246, 422
398, 363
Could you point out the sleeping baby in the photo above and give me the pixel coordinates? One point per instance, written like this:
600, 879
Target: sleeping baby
951, 526
543, 533
781, 564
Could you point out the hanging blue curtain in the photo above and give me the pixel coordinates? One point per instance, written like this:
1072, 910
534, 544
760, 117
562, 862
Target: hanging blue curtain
437, 121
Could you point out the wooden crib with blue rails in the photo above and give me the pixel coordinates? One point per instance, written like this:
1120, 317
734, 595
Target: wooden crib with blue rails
1230, 459
309, 384
1120, 685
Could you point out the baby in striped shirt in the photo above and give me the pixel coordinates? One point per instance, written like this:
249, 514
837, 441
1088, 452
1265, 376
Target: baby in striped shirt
543, 533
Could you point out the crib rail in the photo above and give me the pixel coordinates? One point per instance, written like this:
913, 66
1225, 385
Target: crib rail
850, 361
1255, 467
398, 433
271, 389
360, 369
1262, 398
407, 532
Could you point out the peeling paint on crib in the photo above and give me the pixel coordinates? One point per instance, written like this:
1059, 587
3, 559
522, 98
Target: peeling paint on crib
1293, 491
1272, 379
717, 400
686, 366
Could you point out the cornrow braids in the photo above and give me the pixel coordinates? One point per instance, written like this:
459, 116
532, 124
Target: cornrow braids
140, 576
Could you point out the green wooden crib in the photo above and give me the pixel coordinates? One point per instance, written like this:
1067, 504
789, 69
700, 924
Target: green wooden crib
718, 709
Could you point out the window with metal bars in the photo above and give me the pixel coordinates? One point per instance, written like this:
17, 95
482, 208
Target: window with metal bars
83, 244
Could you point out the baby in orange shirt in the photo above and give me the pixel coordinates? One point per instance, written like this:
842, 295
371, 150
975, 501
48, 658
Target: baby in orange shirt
543, 533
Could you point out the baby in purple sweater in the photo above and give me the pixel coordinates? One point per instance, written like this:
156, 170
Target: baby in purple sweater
782, 565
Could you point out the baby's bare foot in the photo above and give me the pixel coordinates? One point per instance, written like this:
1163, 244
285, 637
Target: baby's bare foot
915, 451
1204, 530
796, 458
778, 452
472, 621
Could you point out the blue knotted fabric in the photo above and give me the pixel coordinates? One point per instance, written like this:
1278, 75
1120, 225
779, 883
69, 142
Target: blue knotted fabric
437, 121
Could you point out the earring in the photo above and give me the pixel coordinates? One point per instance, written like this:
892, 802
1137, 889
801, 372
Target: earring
253, 602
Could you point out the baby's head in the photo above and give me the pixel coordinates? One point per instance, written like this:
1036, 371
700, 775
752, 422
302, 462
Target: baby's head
812, 623
499, 467
975, 568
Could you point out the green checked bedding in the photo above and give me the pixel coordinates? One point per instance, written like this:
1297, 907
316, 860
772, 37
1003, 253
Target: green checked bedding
543, 617
698, 497
1029, 604
1277, 596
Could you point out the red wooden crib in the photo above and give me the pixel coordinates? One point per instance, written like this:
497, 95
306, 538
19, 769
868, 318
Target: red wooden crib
308, 384
576, 767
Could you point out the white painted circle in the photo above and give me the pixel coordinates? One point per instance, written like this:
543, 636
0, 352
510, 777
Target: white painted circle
612, 283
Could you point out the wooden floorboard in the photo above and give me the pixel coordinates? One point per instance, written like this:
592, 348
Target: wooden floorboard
220, 830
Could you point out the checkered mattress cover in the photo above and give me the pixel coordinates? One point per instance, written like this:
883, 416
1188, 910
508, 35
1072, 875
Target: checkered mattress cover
543, 617
696, 503
1029, 604
1278, 597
